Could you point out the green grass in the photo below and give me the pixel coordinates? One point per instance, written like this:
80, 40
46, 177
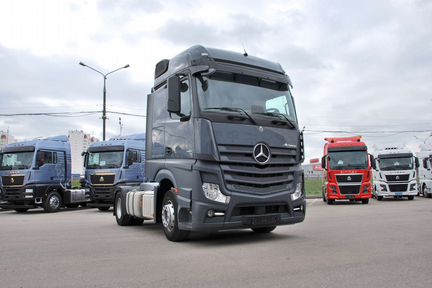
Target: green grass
313, 187
76, 184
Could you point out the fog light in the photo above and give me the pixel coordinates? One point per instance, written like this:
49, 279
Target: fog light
413, 186
383, 188
212, 192
297, 193
210, 213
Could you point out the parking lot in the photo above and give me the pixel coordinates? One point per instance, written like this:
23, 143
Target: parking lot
383, 244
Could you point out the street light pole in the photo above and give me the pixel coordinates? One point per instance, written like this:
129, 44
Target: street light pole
104, 93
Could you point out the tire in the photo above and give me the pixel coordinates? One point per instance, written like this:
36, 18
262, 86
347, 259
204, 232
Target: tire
425, 194
411, 197
21, 210
379, 198
330, 201
169, 220
263, 230
120, 210
103, 208
365, 201
53, 202
72, 205
137, 221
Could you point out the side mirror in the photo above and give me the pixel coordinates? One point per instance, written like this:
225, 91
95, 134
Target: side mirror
417, 164
425, 163
174, 88
373, 162
85, 154
324, 163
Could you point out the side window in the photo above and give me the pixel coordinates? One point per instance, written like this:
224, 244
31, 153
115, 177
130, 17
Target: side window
45, 157
185, 98
132, 157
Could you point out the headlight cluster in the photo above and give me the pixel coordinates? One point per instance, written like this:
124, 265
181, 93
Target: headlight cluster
212, 192
298, 192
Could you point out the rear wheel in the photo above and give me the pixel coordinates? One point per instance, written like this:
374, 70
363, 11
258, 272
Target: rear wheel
365, 201
21, 210
103, 208
120, 210
263, 230
53, 202
169, 220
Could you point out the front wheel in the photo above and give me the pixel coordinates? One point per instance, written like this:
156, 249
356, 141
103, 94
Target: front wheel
53, 202
263, 230
411, 197
365, 201
330, 201
120, 210
169, 220
379, 198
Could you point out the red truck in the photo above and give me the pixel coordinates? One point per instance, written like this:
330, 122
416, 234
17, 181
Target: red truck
348, 174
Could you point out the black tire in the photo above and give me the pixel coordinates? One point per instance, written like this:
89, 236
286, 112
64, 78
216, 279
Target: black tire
263, 230
379, 198
169, 219
120, 210
365, 201
72, 205
425, 194
411, 197
103, 208
53, 202
21, 210
330, 201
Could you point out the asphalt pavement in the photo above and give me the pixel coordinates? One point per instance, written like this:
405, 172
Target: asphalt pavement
383, 244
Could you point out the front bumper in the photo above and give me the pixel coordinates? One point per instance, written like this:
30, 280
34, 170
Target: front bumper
383, 189
334, 192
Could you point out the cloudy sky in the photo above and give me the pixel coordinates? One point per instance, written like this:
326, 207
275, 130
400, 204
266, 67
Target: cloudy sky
358, 66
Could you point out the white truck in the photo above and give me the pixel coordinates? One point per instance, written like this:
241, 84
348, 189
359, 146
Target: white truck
394, 173
425, 172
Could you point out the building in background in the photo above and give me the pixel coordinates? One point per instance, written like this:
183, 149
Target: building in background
79, 142
313, 169
5, 138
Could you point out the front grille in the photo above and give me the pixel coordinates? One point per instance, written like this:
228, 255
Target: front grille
396, 178
243, 173
102, 179
13, 180
259, 210
349, 178
354, 189
11, 193
398, 187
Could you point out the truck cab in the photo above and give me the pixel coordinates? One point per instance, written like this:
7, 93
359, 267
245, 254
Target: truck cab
425, 172
223, 146
395, 173
38, 174
113, 163
347, 168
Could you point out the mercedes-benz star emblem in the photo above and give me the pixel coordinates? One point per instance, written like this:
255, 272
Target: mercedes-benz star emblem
101, 179
261, 153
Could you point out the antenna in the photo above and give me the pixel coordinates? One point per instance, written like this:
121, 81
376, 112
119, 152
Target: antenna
121, 126
244, 49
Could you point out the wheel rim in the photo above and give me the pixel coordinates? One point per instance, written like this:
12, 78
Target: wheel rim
54, 202
118, 208
168, 218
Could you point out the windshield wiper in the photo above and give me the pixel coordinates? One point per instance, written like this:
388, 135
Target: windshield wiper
234, 109
279, 115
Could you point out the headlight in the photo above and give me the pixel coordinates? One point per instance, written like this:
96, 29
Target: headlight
297, 193
29, 190
212, 192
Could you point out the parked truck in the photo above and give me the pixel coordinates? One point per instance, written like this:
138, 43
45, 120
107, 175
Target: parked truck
425, 172
223, 147
395, 173
113, 163
38, 174
347, 166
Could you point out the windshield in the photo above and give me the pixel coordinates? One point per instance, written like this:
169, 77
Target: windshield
397, 163
346, 160
105, 159
251, 94
16, 160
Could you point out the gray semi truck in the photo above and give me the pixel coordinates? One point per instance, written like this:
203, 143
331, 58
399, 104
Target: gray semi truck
223, 147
